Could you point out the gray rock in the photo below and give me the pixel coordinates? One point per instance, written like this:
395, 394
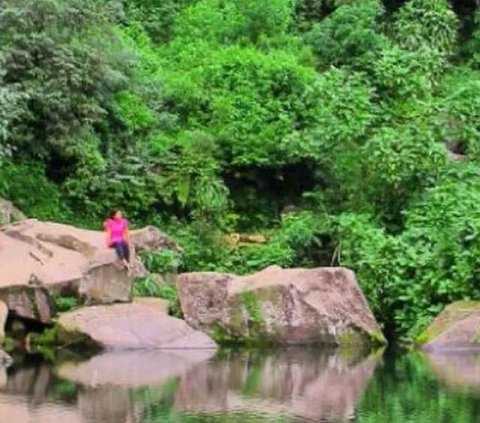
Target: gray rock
151, 238
323, 306
63, 260
455, 329
9, 213
29, 302
41, 259
140, 325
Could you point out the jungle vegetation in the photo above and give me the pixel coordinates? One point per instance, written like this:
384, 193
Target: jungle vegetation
347, 132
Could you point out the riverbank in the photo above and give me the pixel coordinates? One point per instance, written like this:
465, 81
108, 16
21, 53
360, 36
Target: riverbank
60, 287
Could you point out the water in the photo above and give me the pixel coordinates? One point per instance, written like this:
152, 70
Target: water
199, 387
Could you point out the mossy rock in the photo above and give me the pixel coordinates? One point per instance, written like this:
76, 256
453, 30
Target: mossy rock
455, 328
321, 307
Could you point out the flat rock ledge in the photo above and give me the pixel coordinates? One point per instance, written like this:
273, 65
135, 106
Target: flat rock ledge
457, 328
139, 325
323, 306
40, 260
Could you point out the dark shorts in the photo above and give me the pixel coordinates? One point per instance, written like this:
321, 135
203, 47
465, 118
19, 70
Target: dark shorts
122, 249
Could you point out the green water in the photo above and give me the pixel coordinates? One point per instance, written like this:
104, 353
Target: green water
200, 386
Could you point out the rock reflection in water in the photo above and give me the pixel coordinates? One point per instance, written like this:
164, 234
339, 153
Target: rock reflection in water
140, 387
133, 368
456, 369
100, 390
26, 396
304, 383
108, 380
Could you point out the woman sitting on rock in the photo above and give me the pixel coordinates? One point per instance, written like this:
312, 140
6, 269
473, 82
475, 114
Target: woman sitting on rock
116, 228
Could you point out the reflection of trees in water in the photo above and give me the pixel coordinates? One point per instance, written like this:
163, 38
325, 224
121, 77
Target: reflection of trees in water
406, 388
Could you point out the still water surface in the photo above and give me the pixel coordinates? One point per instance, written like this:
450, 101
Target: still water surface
199, 387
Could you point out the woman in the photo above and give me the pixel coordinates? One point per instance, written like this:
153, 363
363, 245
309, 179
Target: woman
116, 228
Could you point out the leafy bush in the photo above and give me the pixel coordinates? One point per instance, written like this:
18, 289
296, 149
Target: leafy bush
351, 35
234, 21
66, 303
408, 278
161, 261
431, 23
151, 287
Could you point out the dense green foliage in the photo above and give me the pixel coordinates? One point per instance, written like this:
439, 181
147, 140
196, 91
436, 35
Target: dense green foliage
324, 125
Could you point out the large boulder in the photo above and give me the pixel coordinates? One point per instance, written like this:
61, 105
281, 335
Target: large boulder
139, 325
455, 328
323, 306
64, 260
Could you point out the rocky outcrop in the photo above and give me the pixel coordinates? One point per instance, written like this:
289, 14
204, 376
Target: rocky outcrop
42, 259
140, 325
9, 213
323, 306
455, 328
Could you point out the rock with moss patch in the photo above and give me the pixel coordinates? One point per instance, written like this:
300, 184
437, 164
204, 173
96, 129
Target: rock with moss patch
323, 306
455, 328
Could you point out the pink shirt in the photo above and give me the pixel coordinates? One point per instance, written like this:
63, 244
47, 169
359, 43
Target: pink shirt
117, 227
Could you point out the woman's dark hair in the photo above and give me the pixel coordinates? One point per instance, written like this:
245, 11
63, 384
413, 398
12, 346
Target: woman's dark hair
112, 213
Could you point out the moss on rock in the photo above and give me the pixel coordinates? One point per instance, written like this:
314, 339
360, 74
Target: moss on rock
450, 316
